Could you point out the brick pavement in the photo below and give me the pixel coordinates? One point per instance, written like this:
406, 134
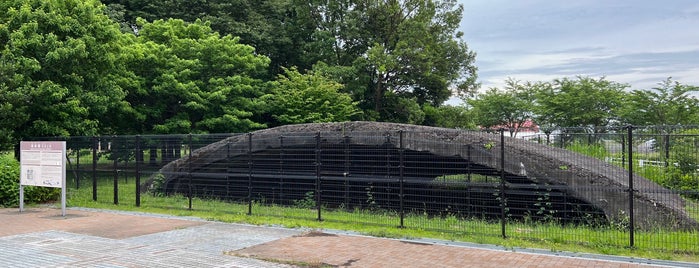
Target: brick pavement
359, 251
109, 225
40, 237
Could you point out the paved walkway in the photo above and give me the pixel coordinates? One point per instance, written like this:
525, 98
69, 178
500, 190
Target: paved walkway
40, 237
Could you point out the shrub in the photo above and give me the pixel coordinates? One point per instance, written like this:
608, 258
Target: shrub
307, 202
9, 185
683, 172
157, 185
595, 150
9, 180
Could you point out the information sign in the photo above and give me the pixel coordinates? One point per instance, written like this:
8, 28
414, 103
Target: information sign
42, 163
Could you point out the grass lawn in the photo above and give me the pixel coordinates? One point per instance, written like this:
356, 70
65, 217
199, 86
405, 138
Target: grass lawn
658, 244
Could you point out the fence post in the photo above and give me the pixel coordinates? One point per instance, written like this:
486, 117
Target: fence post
469, 205
94, 168
77, 167
189, 169
388, 167
249, 173
401, 167
318, 163
228, 169
139, 159
347, 170
623, 150
667, 149
503, 203
631, 189
116, 170
281, 168
563, 138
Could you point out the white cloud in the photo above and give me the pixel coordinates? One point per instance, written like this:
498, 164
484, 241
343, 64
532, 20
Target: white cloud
647, 78
554, 59
636, 42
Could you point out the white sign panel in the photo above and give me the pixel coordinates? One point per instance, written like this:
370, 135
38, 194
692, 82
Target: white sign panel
42, 163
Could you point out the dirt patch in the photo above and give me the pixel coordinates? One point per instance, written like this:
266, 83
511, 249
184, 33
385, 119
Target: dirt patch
314, 234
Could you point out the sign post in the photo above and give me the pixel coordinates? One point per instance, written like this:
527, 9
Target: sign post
43, 164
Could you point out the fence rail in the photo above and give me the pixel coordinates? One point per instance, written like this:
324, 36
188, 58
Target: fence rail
626, 187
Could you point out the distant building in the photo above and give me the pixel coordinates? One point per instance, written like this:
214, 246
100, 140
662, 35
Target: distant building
526, 130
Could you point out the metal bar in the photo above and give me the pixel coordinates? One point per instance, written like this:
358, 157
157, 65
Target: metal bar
77, 168
469, 205
139, 159
667, 149
502, 183
346, 172
189, 170
281, 167
249, 197
228, 169
401, 174
631, 190
116, 171
94, 168
317, 164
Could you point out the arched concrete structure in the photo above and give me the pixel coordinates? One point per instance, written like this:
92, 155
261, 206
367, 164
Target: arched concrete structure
595, 182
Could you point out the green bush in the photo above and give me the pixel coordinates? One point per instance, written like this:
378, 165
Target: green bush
157, 186
9, 185
9, 180
596, 150
308, 202
683, 173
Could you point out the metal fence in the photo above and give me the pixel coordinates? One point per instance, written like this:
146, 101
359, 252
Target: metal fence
625, 187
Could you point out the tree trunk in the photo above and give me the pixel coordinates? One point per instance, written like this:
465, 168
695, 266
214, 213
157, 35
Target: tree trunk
378, 94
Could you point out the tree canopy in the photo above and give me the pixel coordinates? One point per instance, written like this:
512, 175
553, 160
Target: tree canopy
59, 68
508, 108
409, 49
137, 67
449, 116
193, 80
403, 53
308, 98
583, 102
667, 104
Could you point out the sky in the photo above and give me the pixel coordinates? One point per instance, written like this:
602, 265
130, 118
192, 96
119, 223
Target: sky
637, 42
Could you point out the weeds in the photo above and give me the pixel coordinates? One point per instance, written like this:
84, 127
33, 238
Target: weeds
307, 202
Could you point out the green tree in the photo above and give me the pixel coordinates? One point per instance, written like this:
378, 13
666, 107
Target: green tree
308, 98
682, 163
508, 108
59, 70
282, 30
583, 102
192, 80
402, 109
667, 104
411, 50
449, 116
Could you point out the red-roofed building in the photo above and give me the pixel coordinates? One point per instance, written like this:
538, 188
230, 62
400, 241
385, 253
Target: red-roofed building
527, 128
